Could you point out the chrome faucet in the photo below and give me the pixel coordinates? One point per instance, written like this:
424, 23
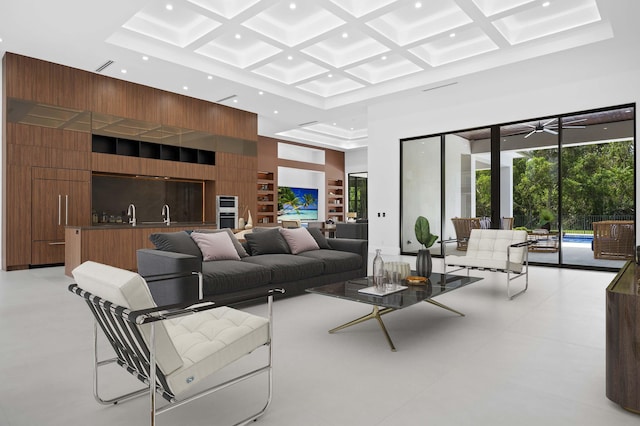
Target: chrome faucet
165, 214
131, 212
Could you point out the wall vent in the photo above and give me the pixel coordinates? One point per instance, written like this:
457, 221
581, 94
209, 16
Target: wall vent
439, 87
226, 99
308, 123
103, 66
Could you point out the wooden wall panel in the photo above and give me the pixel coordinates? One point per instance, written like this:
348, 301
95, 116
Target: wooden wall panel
109, 163
17, 233
108, 96
28, 78
70, 87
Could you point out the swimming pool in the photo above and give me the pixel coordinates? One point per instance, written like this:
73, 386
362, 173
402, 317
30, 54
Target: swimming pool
577, 238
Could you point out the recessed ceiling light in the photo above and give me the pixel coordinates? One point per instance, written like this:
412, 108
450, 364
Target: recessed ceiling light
334, 124
185, 87
292, 6
145, 58
345, 35
169, 7
290, 57
452, 35
330, 75
238, 36
275, 112
209, 77
123, 71
235, 101
418, 5
351, 128
384, 58
0, 40
546, 4
261, 93
606, 128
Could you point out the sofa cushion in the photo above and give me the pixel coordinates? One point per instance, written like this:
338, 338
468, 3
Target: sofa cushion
177, 242
215, 246
299, 240
226, 276
236, 243
335, 261
317, 235
267, 242
288, 267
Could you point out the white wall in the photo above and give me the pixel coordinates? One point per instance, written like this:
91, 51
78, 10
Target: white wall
578, 80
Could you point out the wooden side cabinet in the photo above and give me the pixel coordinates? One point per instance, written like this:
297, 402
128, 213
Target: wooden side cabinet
623, 338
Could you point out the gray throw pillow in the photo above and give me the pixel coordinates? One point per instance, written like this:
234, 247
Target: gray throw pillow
317, 234
177, 242
267, 242
241, 251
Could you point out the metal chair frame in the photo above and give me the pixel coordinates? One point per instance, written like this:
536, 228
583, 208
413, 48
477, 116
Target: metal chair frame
121, 328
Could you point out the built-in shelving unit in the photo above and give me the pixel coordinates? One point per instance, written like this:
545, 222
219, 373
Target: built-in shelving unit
267, 199
335, 200
133, 148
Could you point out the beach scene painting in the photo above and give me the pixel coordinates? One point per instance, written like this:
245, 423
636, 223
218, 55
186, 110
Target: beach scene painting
297, 203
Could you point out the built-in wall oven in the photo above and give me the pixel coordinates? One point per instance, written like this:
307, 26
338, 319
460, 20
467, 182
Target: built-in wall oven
227, 211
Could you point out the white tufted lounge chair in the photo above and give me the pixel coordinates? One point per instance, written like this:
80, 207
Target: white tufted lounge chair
495, 250
182, 345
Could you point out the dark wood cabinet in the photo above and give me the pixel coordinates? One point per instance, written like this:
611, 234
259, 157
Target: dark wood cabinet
59, 198
623, 338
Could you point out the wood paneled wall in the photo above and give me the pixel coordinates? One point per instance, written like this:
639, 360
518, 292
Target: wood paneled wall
53, 84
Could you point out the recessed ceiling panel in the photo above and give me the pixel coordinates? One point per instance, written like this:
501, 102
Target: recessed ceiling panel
292, 26
359, 8
240, 52
542, 21
179, 27
384, 68
290, 71
450, 49
411, 23
492, 7
330, 86
226, 8
345, 49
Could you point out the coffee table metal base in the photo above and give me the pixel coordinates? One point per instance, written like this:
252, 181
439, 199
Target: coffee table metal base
377, 313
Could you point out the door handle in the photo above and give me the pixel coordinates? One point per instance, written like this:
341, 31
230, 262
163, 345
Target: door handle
59, 209
66, 210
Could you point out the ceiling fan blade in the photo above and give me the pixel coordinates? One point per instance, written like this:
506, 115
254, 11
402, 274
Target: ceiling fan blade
553, 132
574, 127
530, 133
564, 123
549, 122
528, 125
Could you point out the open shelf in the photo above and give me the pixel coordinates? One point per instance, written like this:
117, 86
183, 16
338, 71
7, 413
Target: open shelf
132, 148
335, 200
266, 198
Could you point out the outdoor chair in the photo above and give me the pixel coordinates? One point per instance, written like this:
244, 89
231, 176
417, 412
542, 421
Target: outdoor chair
463, 227
172, 348
495, 250
506, 223
291, 223
614, 240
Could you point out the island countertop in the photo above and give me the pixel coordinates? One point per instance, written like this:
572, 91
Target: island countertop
116, 244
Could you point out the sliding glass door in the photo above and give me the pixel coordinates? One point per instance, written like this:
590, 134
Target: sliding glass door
568, 180
421, 190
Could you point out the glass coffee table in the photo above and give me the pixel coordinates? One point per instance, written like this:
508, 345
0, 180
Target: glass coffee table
349, 290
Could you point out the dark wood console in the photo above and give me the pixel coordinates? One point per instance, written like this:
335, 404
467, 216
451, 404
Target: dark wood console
623, 338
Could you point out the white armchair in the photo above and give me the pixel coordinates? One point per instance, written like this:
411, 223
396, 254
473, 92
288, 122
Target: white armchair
496, 250
169, 349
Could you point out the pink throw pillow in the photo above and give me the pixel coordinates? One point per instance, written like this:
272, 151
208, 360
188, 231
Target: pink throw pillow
299, 240
215, 246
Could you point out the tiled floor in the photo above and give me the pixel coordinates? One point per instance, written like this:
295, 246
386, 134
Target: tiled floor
536, 360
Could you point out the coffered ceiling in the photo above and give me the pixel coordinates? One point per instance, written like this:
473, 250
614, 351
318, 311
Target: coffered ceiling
307, 68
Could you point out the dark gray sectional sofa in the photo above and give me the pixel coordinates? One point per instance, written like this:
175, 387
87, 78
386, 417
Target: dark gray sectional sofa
265, 261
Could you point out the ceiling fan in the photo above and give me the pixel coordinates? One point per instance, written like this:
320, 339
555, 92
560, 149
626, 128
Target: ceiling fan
551, 127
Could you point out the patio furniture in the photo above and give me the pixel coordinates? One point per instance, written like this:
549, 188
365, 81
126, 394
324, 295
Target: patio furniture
614, 239
170, 349
495, 250
545, 240
506, 223
463, 227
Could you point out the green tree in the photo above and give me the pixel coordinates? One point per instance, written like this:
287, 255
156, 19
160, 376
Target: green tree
287, 197
483, 193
